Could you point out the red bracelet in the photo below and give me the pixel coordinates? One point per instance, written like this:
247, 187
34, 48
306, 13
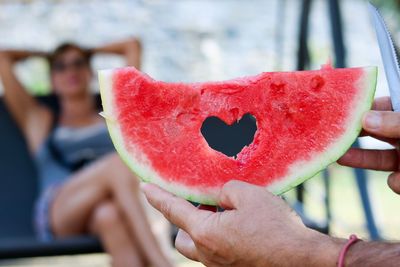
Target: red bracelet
352, 239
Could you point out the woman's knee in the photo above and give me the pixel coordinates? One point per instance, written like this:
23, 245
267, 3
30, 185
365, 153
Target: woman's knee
105, 215
121, 174
114, 160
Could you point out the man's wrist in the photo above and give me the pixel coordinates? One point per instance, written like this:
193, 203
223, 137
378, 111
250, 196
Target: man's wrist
306, 248
321, 250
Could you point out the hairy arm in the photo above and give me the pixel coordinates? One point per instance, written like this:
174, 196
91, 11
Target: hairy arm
31, 117
366, 254
131, 49
258, 229
324, 251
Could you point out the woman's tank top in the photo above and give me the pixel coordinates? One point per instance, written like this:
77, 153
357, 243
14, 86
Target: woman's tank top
67, 149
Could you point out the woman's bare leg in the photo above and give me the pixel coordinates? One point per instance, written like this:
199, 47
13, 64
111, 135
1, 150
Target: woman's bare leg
109, 225
108, 178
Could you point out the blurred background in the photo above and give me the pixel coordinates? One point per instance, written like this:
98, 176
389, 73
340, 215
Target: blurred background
200, 40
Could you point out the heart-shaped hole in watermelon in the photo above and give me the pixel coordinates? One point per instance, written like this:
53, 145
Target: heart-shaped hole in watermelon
229, 139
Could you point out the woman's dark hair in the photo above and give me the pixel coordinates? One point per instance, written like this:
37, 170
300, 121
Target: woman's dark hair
64, 47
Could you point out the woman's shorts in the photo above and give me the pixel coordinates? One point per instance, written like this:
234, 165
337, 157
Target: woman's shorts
42, 212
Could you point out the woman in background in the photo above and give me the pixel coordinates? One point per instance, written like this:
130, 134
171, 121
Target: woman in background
85, 187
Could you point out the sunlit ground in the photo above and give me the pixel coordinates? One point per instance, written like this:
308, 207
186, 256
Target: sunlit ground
94, 260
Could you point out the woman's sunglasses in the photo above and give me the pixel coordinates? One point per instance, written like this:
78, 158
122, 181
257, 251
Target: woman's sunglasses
77, 64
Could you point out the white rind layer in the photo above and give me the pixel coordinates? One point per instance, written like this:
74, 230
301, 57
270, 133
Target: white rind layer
297, 174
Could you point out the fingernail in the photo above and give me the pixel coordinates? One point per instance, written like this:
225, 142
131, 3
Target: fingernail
372, 120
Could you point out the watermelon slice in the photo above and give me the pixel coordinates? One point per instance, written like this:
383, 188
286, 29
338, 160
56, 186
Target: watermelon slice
305, 121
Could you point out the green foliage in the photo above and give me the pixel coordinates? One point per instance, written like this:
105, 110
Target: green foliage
35, 76
390, 10
387, 4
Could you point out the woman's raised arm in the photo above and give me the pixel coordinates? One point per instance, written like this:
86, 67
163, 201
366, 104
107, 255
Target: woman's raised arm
30, 116
131, 49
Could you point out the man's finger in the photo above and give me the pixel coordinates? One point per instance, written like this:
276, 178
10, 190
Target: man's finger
185, 245
382, 103
382, 160
394, 182
236, 193
178, 211
382, 123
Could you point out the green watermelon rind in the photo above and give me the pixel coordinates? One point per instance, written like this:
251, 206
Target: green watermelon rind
142, 167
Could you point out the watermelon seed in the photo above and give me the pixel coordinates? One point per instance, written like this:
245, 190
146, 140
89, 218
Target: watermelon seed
235, 113
229, 139
278, 89
185, 118
317, 83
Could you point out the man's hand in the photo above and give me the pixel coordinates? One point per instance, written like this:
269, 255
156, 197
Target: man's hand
256, 229
382, 124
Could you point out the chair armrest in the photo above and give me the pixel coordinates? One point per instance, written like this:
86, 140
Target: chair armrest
30, 247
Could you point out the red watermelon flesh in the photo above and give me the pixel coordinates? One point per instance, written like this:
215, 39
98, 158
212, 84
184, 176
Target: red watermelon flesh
305, 121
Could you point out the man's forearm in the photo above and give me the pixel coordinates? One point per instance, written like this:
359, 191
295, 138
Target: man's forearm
373, 254
324, 251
